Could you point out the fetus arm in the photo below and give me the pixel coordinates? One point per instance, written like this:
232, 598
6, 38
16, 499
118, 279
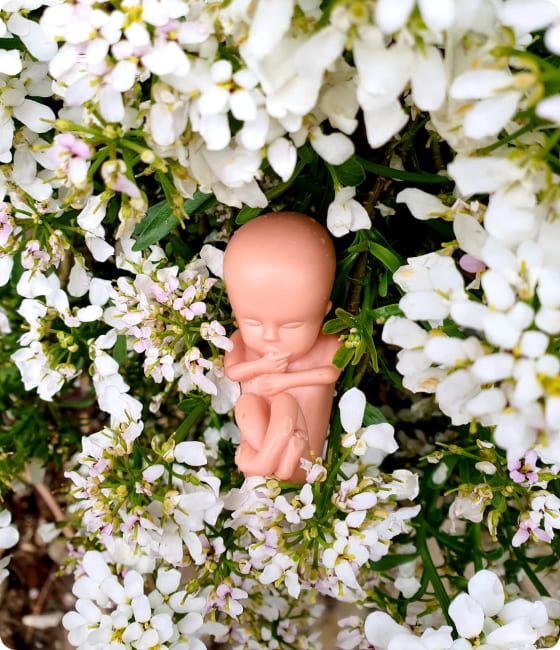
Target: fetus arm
238, 369
270, 384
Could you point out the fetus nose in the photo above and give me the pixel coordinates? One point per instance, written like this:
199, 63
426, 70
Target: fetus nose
270, 333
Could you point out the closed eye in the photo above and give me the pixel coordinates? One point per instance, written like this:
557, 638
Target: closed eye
252, 323
292, 326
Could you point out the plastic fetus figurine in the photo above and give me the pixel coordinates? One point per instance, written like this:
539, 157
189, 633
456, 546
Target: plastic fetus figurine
279, 271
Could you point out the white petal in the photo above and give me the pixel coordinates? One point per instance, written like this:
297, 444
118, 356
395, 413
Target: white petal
191, 453
480, 84
38, 117
111, 104
437, 14
489, 116
141, 608
424, 305
528, 16
391, 15
499, 294
90, 313
500, 331
380, 628
335, 148
422, 205
428, 80
270, 22
95, 566
10, 62
383, 123
483, 174
404, 333
491, 400
493, 367
510, 215
470, 234
168, 580
549, 109
352, 407
467, 615
9, 536
520, 632
380, 436
282, 156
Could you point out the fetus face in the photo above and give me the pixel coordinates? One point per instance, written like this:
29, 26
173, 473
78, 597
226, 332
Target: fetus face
279, 271
271, 323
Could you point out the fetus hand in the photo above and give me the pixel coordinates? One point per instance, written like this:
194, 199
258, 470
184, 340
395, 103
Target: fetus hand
274, 362
270, 384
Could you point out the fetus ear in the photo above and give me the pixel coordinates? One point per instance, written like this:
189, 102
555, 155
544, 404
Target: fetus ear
329, 305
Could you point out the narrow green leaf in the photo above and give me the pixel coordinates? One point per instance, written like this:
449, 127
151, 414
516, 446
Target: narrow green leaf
157, 223
383, 313
11, 44
350, 173
343, 357
399, 174
194, 408
160, 220
119, 351
334, 326
246, 214
345, 316
389, 259
373, 415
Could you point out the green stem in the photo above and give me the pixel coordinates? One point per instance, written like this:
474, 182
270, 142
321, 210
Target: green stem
477, 546
512, 136
431, 571
412, 177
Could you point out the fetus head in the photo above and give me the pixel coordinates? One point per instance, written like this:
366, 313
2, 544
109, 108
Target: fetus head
279, 271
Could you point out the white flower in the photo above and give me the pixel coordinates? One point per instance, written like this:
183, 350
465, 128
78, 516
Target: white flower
345, 214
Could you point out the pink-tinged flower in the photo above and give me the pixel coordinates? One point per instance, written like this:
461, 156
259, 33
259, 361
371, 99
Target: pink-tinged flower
529, 528
69, 155
185, 305
216, 334
6, 223
32, 255
142, 334
224, 598
470, 264
113, 173
520, 473
163, 292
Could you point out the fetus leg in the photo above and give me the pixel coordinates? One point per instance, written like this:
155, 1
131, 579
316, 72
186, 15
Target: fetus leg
252, 414
288, 468
285, 418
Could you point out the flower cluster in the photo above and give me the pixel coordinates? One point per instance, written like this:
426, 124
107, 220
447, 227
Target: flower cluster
481, 616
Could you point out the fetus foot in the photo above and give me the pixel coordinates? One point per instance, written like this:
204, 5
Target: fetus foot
296, 448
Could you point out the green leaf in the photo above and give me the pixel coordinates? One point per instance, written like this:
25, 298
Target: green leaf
383, 313
11, 44
350, 173
194, 407
334, 326
160, 220
389, 259
157, 223
343, 357
412, 177
373, 415
246, 214
119, 351
383, 285
345, 316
